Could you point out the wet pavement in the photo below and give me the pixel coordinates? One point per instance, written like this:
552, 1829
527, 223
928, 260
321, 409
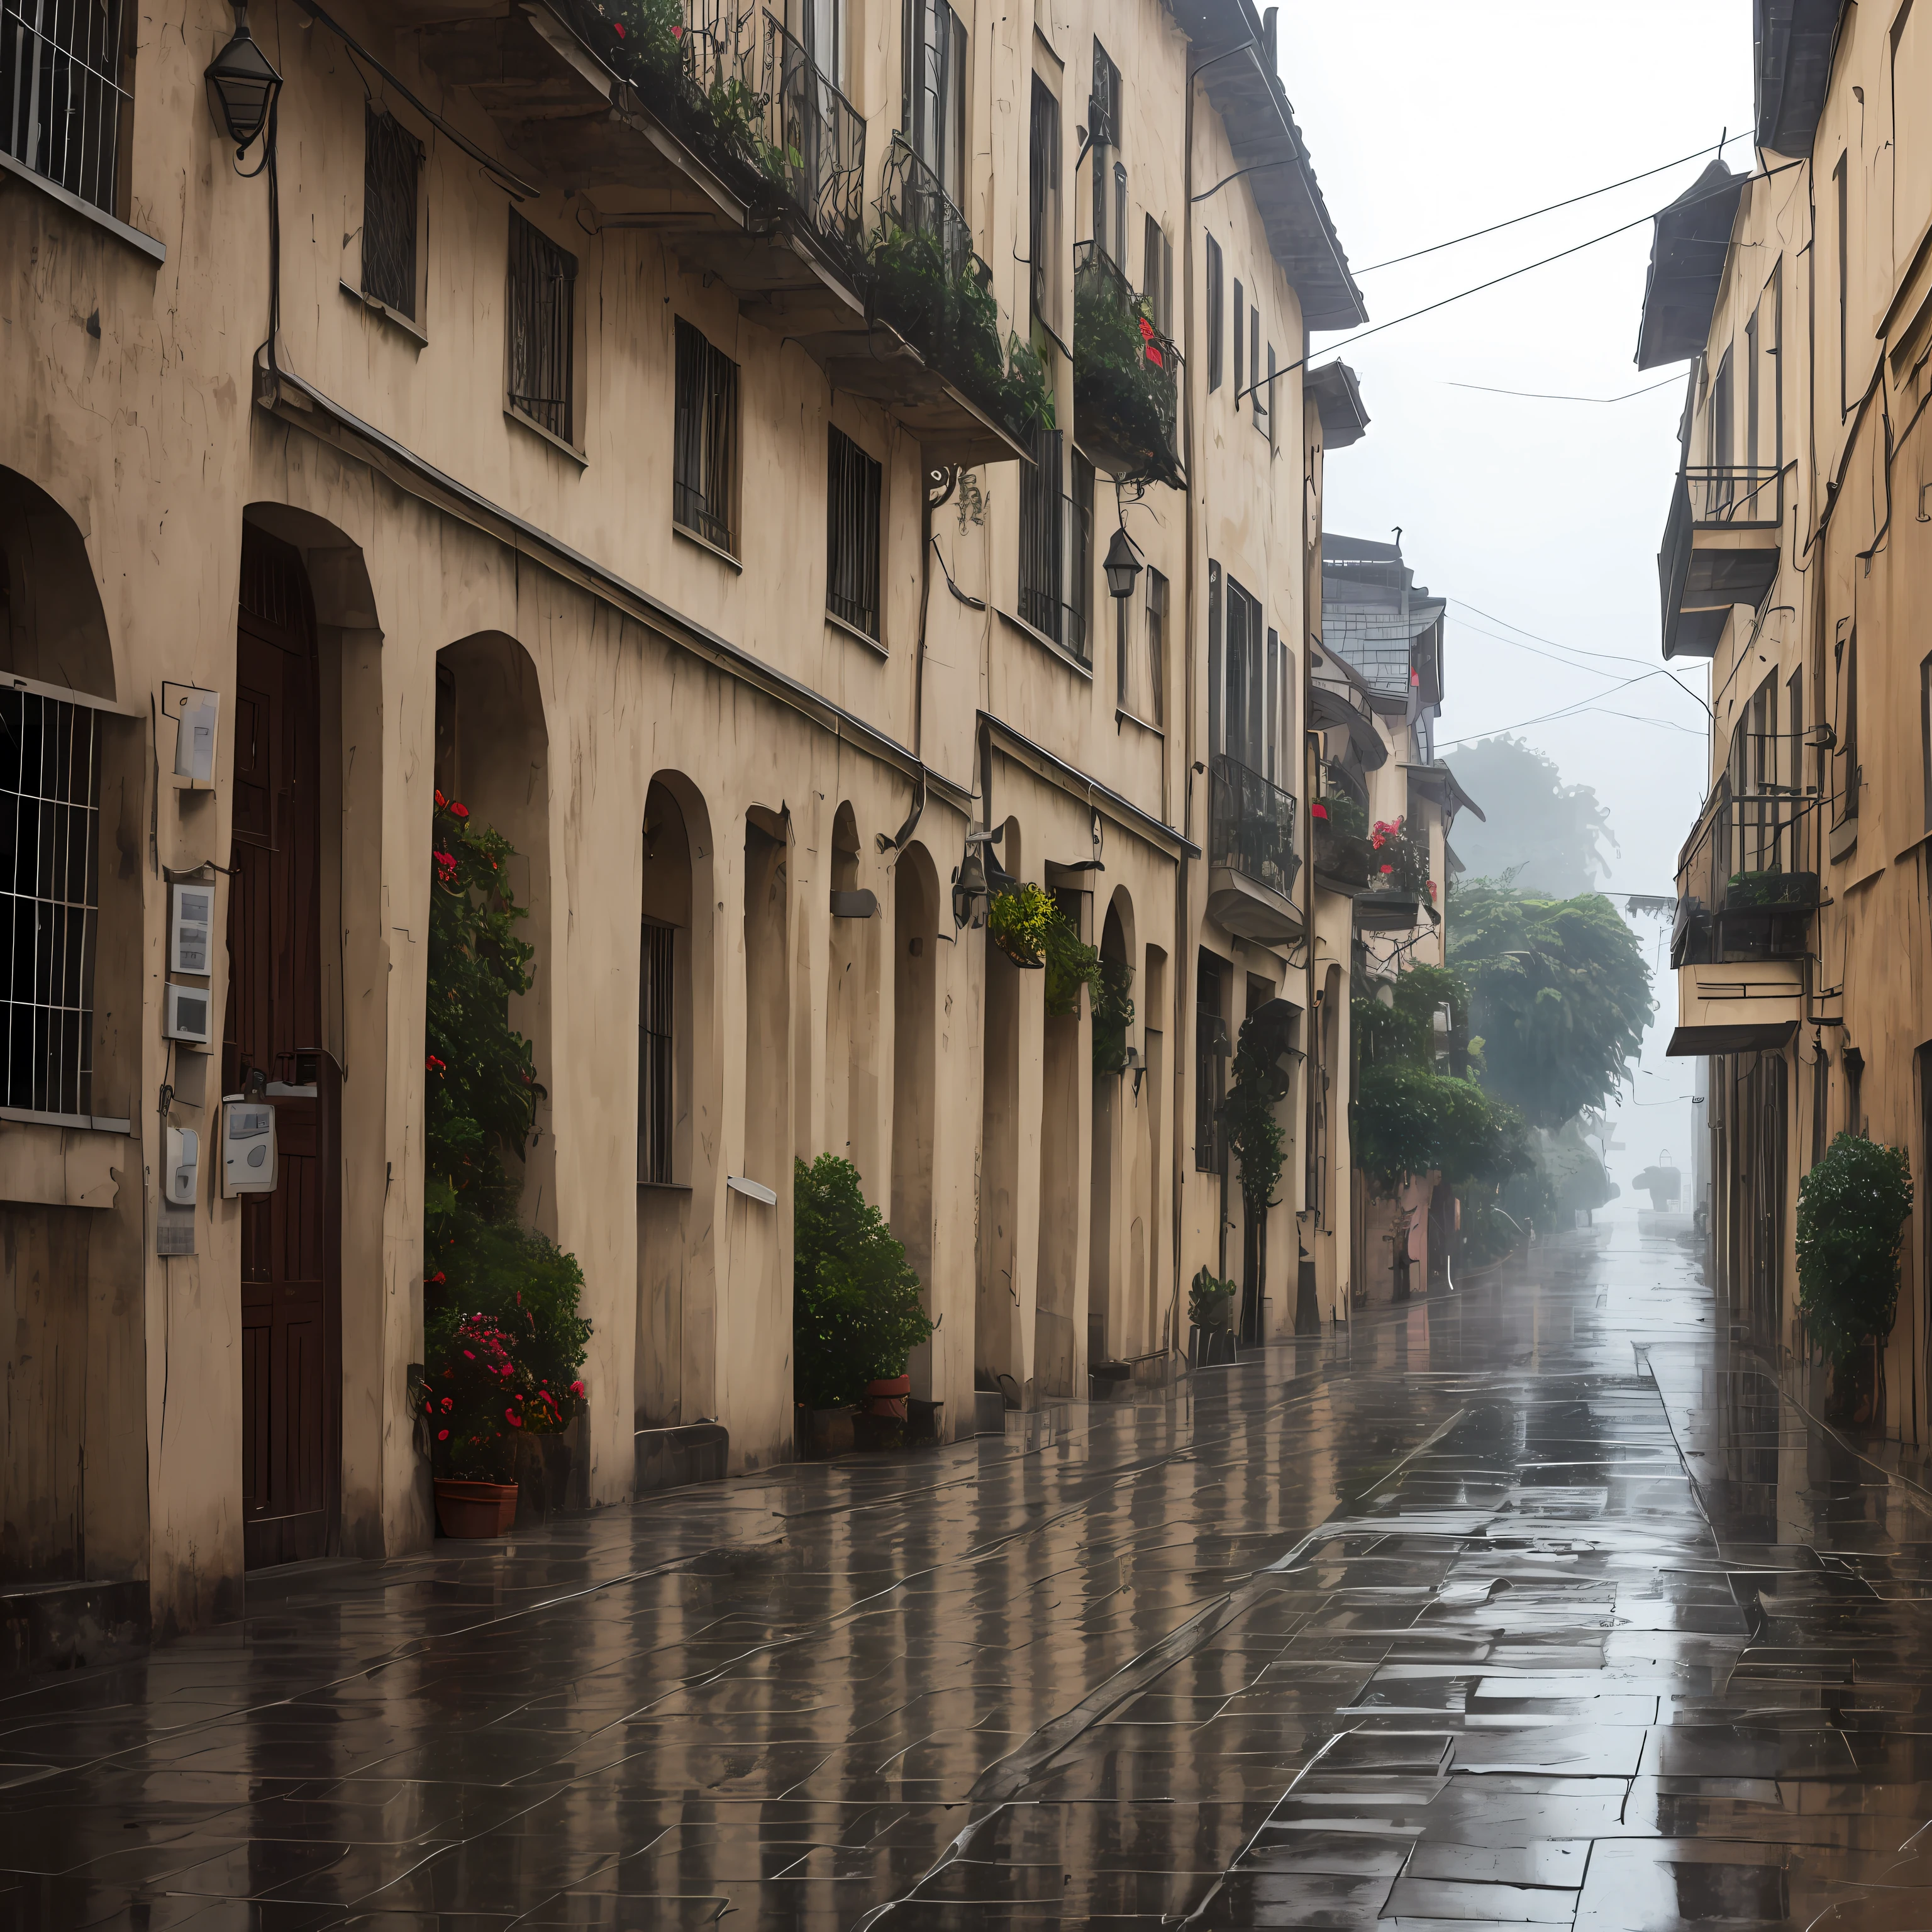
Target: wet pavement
1535, 1604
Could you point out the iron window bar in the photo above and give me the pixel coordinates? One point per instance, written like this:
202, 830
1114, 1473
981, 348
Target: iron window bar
49, 898
657, 1046
1056, 551
1251, 826
704, 437
61, 93
542, 326
853, 497
391, 172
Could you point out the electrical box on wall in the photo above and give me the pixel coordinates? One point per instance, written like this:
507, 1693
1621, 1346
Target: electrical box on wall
191, 929
197, 715
247, 1146
185, 1014
183, 1173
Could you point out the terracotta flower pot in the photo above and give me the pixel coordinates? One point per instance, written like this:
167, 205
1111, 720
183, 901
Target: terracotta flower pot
888, 1397
475, 1509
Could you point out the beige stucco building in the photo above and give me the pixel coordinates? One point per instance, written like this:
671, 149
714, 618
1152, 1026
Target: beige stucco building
1796, 560
509, 419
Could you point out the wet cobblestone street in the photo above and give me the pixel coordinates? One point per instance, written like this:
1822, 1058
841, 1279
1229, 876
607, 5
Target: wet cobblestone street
1532, 1604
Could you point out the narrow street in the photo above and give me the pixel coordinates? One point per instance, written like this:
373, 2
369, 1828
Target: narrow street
1518, 1606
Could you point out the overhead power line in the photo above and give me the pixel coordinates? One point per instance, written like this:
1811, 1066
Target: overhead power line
1588, 194
1546, 396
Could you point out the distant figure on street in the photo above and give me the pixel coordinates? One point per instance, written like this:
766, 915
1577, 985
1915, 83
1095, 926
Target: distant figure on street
1662, 1182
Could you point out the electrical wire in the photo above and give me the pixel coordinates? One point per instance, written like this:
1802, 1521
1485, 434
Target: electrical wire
1435, 247
1550, 396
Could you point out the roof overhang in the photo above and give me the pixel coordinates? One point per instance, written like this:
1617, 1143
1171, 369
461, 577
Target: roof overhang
1688, 248
1694, 1043
1339, 707
1792, 43
1229, 51
1437, 783
1337, 397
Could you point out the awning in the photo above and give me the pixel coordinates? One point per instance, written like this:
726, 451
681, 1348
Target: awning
1687, 249
1337, 397
1333, 705
1694, 1043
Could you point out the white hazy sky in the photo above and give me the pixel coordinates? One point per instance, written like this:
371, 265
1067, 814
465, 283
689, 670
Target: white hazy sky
1427, 118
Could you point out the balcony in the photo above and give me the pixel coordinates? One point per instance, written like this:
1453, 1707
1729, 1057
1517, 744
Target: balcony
1252, 856
1341, 831
1127, 378
726, 140
1747, 879
1721, 548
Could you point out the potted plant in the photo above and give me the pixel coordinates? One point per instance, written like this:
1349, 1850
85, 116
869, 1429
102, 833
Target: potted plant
1017, 923
857, 1306
1852, 1208
472, 1402
1210, 1313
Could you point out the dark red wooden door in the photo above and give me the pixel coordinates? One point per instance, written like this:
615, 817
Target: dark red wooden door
290, 1321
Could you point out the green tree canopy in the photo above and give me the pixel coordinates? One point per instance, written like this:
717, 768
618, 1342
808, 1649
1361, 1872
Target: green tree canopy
1560, 995
1552, 836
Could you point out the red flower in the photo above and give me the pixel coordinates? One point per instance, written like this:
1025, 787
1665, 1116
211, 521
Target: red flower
1321, 810
448, 1403
516, 1421
433, 1065
576, 1390
1388, 868
439, 799
435, 1280
443, 1435
677, 33
617, 27
459, 811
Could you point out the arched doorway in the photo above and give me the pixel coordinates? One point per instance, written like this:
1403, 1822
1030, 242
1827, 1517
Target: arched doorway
272, 1038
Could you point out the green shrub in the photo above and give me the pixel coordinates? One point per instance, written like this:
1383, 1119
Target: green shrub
1210, 1301
1852, 1208
1406, 1121
856, 1312
1113, 1016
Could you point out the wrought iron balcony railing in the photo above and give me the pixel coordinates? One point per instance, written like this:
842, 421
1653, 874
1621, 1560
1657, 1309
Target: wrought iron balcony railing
815, 143
1251, 827
1127, 376
1747, 879
1741, 496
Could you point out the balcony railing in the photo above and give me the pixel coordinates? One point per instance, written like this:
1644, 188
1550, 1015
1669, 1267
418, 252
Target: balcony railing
815, 143
61, 93
1251, 827
1126, 377
1747, 880
1738, 495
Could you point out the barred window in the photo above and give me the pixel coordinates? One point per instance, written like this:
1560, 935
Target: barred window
542, 324
49, 810
1155, 704
391, 168
1210, 1065
704, 432
1215, 323
656, 1045
852, 534
61, 93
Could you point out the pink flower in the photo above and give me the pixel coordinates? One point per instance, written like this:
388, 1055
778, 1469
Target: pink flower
516, 1420
576, 1390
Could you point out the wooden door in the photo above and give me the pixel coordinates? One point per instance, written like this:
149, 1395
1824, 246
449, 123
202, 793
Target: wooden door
291, 1377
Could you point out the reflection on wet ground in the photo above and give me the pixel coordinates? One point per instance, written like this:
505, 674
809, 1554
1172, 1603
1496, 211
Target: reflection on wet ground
1527, 1606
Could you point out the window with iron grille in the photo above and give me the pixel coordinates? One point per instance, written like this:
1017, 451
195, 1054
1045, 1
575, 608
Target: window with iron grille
1216, 323
62, 96
853, 488
656, 1045
391, 169
1103, 110
1080, 560
1043, 199
542, 307
1155, 703
704, 440
49, 810
1210, 1065
1043, 533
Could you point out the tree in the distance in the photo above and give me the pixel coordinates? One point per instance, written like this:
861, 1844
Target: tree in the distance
1554, 838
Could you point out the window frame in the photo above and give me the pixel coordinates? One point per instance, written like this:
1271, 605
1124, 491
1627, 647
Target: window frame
1043, 215
1155, 651
404, 140
1214, 320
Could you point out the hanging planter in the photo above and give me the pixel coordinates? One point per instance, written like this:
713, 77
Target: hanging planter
1018, 923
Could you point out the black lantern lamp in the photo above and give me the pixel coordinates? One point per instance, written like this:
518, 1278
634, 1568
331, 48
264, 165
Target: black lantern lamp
1122, 565
242, 86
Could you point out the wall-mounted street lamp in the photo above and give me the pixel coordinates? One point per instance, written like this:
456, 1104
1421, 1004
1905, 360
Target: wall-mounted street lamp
1122, 565
242, 86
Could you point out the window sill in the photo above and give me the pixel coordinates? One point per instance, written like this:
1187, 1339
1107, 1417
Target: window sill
852, 631
705, 544
395, 318
84, 1124
155, 251
1046, 643
664, 1187
1122, 716
512, 414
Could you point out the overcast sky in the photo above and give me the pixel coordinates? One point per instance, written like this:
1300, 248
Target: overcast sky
1426, 119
